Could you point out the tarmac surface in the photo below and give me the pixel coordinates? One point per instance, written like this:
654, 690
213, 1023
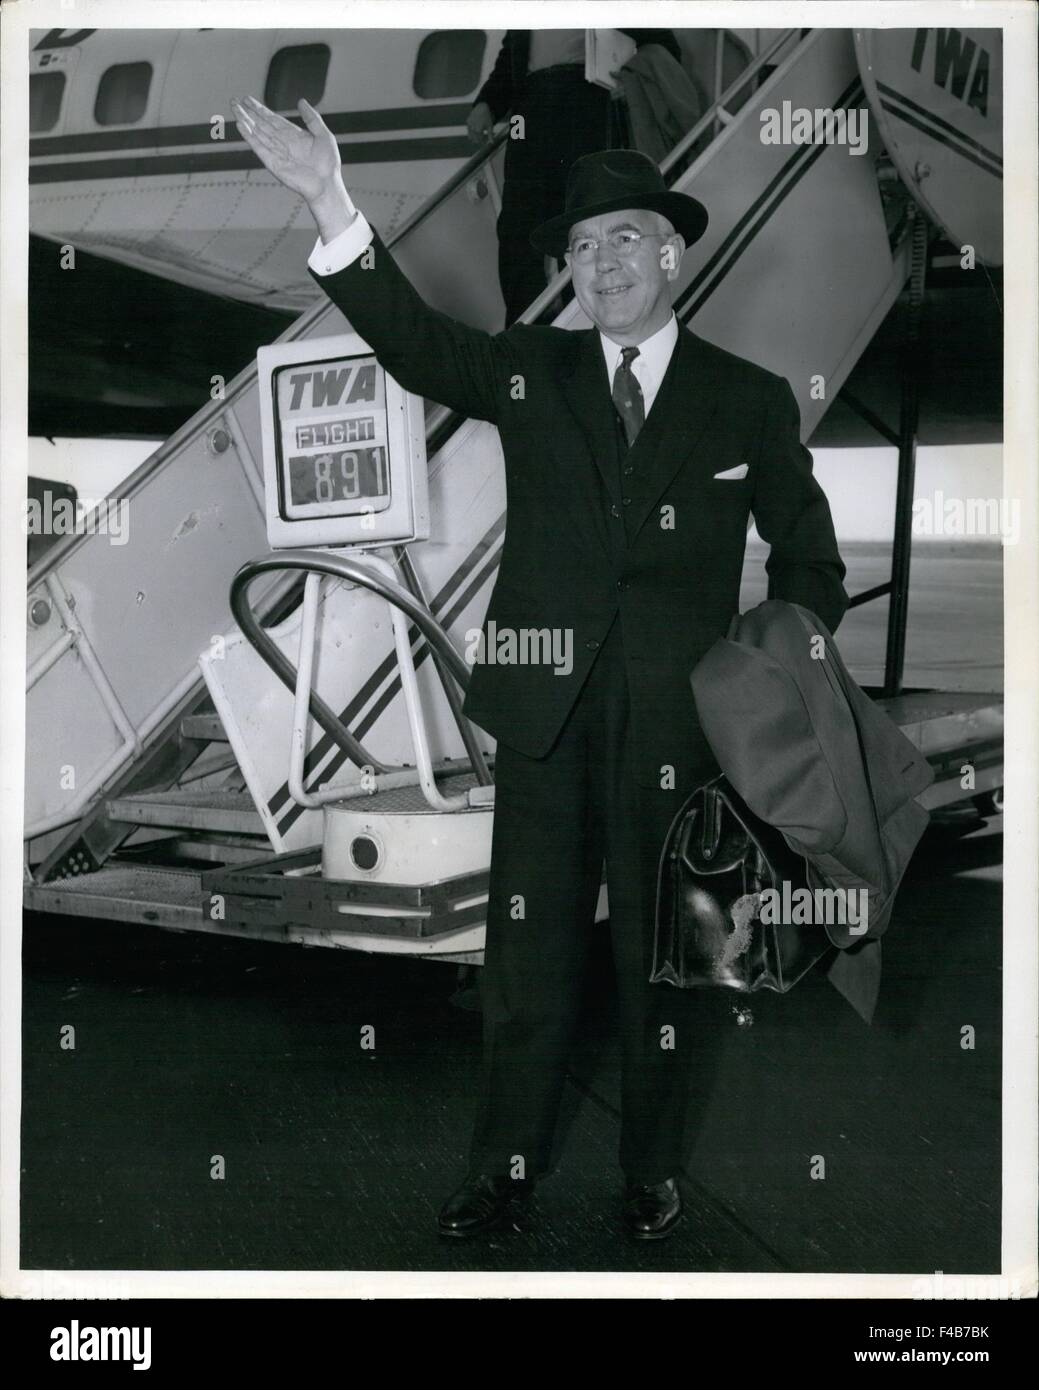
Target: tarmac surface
337, 1157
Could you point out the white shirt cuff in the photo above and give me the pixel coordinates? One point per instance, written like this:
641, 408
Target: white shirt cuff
342, 249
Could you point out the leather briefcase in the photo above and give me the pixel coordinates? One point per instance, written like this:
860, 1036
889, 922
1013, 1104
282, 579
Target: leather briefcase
718, 859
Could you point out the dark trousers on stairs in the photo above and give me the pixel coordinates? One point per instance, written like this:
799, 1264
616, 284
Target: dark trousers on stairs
564, 117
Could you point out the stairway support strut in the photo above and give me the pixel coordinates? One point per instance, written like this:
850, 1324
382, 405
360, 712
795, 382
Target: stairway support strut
909, 416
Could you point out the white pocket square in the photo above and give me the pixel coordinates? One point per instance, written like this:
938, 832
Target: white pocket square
740, 471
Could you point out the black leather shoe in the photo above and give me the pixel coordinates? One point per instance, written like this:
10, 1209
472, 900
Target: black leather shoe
651, 1213
480, 1204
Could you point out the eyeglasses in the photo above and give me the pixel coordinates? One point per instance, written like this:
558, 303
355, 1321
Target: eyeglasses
624, 243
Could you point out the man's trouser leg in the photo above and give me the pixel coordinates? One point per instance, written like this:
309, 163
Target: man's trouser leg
546, 869
563, 117
656, 1021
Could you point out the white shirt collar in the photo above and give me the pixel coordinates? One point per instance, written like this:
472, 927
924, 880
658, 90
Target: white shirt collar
651, 363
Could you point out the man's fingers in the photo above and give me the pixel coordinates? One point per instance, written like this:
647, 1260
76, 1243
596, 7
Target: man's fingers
251, 129
252, 112
311, 118
247, 131
266, 148
268, 119
243, 120
249, 124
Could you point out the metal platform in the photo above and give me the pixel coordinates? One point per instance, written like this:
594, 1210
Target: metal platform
933, 718
145, 895
952, 729
125, 893
409, 801
287, 890
212, 808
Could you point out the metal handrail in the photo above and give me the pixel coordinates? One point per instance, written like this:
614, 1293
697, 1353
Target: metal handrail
412, 697
282, 666
707, 119
424, 772
412, 701
447, 685
475, 162
354, 572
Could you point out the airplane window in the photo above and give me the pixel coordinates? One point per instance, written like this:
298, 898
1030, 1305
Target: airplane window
297, 72
45, 93
122, 94
449, 63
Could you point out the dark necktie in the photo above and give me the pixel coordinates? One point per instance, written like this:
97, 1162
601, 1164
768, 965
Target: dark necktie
627, 395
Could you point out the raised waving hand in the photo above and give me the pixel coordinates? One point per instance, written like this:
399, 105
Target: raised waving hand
306, 161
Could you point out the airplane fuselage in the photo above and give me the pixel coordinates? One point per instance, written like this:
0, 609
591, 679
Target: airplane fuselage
134, 154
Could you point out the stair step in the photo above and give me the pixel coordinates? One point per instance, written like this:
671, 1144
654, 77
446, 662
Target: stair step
217, 849
124, 893
211, 808
205, 728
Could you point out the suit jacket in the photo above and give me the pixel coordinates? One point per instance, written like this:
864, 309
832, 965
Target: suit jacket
813, 756
510, 68
659, 550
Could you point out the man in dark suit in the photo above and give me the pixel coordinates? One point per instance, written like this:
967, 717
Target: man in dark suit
635, 453
539, 77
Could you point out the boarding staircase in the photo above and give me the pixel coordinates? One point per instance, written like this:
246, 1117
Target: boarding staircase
144, 788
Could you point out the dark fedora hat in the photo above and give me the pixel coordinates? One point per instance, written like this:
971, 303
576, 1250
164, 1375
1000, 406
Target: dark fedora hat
609, 180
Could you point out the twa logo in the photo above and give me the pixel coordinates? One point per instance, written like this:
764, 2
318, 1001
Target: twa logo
345, 385
956, 58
